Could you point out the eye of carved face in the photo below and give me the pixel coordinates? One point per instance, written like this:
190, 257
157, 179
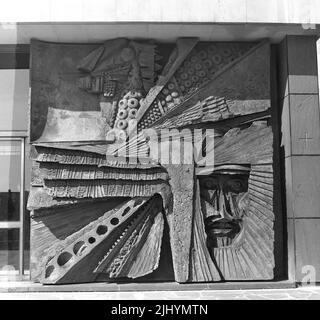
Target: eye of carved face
225, 182
223, 203
210, 183
237, 185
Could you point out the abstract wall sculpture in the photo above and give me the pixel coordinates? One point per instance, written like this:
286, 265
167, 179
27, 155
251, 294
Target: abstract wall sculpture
110, 201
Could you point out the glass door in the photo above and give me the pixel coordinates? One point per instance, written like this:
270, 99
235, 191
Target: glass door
12, 208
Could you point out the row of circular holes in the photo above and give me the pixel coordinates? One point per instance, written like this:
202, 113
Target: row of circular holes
123, 114
64, 257
210, 54
192, 75
217, 59
188, 83
153, 113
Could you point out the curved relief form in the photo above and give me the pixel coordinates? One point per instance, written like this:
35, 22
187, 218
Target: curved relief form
129, 232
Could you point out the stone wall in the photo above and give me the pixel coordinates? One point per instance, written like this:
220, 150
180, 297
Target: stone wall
299, 103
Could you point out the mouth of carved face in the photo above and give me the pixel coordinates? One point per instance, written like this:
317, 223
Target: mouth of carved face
222, 227
224, 202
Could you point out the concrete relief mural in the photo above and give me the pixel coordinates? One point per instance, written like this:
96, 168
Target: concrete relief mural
151, 161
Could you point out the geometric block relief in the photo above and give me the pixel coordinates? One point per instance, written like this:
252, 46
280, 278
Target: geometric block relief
107, 205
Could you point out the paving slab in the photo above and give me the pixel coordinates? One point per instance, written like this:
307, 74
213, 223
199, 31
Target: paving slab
303, 293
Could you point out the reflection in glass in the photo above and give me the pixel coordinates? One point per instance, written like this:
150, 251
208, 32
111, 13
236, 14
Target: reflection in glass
9, 251
10, 158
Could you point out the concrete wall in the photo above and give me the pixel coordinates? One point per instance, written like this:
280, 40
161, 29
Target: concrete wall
81, 32
299, 103
318, 54
248, 11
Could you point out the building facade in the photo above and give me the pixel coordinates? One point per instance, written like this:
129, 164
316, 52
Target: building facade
268, 52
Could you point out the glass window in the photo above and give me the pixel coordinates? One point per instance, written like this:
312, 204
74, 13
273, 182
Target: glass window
9, 251
14, 219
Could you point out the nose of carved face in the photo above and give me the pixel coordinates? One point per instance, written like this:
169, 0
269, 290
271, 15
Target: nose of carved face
223, 207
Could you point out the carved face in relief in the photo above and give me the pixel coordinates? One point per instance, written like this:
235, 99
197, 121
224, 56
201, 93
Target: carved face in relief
224, 202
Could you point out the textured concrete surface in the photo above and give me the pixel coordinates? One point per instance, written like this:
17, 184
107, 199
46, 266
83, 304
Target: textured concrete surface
302, 293
272, 11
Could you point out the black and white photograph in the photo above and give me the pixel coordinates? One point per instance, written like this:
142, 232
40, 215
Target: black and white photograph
159, 156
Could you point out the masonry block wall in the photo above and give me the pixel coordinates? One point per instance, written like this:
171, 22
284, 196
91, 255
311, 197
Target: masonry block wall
299, 101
